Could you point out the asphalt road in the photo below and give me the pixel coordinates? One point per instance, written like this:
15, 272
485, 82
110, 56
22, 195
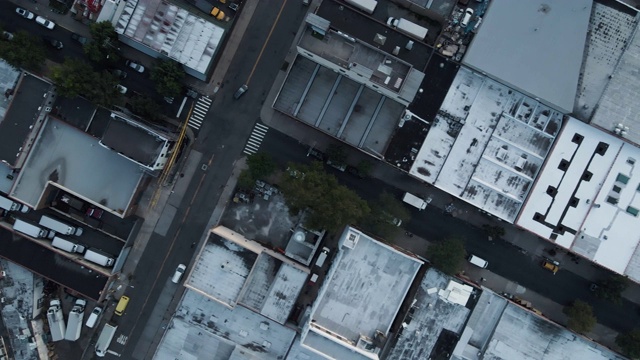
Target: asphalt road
504, 258
221, 138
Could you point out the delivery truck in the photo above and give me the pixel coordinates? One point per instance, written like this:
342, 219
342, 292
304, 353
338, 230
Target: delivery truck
99, 257
368, 6
32, 230
74, 324
104, 340
56, 320
415, 201
10, 205
60, 227
408, 28
67, 245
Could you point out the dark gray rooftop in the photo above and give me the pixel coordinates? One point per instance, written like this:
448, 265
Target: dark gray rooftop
21, 116
50, 265
535, 46
77, 112
132, 142
355, 24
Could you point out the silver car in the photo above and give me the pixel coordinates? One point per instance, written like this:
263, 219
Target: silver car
46, 23
25, 13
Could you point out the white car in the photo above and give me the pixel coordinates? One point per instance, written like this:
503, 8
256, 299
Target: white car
466, 17
46, 23
135, 66
121, 89
178, 274
24, 13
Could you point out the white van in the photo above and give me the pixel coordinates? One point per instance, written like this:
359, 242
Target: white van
478, 261
67, 245
98, 257
93, 317
468, 14
59, 227
178, 274
322, 257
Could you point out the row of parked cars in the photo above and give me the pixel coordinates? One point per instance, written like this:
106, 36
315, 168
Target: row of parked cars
39, 19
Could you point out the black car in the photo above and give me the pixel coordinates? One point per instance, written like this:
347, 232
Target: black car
118, 73
81, 39
54, 43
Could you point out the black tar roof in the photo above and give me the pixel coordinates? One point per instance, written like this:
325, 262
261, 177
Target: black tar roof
365, 29
50, 265
77, 111
21, 115
133, 142
438, 78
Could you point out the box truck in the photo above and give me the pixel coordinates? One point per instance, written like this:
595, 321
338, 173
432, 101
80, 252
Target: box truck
30, 229
99, 257
67, 245
74, 324
408, 28
59, 227
56, 320
11, 205
104, 340
415, 201
368, 6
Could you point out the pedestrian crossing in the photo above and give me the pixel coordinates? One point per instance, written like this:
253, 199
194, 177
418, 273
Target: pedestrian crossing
253, 144
122, 339
199, 112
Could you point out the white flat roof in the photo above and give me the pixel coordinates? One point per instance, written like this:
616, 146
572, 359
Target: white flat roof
487, 144
535, 46
75, 161
364, 290
523, 335
586, 198
619, 104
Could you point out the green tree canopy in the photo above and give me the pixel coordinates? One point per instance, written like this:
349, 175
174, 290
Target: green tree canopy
104, 47
337, 154
447, 256
261, 165
333, 205
611, 289
24, 51
145, 107
581, 318
76, 78
386, 212
630, 343
168, 75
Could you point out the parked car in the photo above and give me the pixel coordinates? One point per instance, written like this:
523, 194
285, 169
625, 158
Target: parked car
243, 89
94, 213
316, 154
178, 274
135, 66
54, 43
25, 13
233, 6
46, 23
81, 39
7, 35
118, 73
121, 89
468, 14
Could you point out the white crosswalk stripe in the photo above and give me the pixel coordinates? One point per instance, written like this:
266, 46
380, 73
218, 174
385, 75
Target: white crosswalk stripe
122, 339
255, 139
199, 112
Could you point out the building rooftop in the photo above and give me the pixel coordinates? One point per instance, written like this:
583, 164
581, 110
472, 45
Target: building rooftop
171, 31
205, 329
428, 318
543, 40
24, 110
487, 144
521, 334
611, 27
355, 306
359, 26
133, 141
77, 111
73, 160
51, 265
618, 104
585, 198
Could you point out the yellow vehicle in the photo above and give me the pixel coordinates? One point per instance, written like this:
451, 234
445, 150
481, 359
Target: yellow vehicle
551, 266
217, 13
122, 305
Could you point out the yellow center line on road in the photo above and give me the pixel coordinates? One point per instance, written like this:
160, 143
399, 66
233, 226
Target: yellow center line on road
265, 44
